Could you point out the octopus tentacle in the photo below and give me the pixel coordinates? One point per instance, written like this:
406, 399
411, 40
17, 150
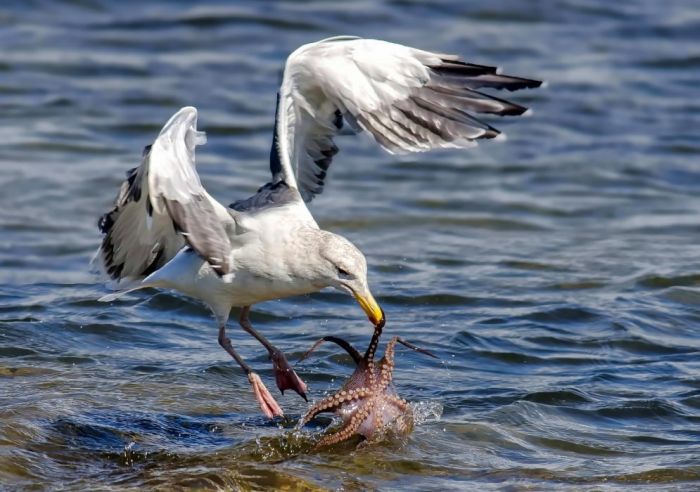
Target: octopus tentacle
417, 349
400, 403
331, 403
339, 341
404, 423
369, 355
372, 347
387, 365
349, 429
327, 404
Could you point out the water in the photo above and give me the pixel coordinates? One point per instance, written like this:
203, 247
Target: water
556, 275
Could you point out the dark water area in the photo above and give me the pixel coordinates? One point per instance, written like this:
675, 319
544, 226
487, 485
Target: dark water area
556, 275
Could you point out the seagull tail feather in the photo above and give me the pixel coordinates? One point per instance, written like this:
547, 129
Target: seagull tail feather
130, 287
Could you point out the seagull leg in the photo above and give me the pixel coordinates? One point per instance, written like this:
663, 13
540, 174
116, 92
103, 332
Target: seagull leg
267, 403
284, 374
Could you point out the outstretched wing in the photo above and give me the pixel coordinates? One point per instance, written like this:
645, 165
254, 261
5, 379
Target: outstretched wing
408, 100
162, 206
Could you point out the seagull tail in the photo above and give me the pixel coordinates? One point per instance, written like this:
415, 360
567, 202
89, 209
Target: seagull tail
125, 288
116, 295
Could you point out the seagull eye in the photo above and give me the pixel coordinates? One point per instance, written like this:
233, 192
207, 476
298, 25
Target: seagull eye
342, 273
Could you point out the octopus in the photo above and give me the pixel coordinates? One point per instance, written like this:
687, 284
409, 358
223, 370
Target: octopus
367, 403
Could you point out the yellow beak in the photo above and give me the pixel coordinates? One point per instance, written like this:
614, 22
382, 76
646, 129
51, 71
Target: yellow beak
371, 308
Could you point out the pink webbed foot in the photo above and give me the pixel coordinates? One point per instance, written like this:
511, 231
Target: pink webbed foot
269, 406
285, 376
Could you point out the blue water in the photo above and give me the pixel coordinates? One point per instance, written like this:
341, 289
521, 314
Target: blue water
556, 275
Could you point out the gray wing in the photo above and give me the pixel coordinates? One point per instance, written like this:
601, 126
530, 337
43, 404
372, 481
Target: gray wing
270, 195
408, 100
162, 206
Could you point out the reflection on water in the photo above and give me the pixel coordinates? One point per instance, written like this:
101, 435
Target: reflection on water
556, 274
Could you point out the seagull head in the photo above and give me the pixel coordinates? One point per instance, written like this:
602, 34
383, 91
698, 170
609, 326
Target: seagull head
344, 267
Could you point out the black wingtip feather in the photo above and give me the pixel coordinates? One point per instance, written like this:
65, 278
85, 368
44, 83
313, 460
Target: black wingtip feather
463, 68
510, 109
511, 83
473, 76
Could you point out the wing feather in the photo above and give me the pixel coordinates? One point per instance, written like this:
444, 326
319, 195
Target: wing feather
162, 206
408, 100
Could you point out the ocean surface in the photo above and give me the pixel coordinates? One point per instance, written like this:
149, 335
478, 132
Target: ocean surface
556, 274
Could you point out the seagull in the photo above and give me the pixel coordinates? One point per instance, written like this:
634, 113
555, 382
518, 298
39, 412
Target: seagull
165, 231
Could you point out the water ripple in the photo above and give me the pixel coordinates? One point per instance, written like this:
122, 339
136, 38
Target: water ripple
554, 275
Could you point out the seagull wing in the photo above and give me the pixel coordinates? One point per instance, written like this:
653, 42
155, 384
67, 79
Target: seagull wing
162, 207
407, 99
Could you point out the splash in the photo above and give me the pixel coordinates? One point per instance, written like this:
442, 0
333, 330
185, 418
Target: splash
426, 412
